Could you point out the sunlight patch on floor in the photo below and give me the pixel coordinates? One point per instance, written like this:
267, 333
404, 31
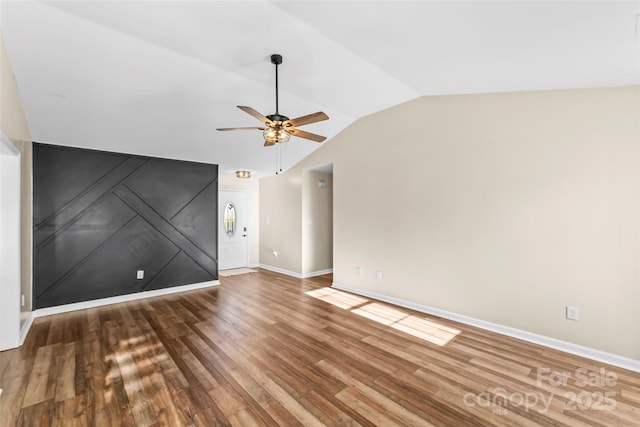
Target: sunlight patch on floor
384, 314
418, 327
123, 360
338, 298
380, 313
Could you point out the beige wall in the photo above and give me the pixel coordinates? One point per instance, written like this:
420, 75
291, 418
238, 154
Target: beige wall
503, 207
252, 187
280, 222
14, 125
317, 222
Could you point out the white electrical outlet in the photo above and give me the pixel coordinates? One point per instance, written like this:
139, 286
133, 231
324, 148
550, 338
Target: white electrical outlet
22, 300
379, 275
140, 274
275, 254
572, 313
358, 271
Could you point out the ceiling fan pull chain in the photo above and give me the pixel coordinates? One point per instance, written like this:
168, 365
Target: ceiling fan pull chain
278, 158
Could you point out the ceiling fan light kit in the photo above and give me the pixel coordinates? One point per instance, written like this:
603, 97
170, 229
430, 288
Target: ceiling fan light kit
279, 128
274, 134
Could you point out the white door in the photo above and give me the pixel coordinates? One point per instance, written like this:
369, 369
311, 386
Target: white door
232, 229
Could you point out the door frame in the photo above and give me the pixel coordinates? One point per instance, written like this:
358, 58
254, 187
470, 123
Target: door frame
10, 245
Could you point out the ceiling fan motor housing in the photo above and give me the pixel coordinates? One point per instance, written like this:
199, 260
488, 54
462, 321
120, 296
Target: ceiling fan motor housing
277, 118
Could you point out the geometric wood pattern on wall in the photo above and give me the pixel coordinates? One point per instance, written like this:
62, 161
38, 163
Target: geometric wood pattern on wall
99, 217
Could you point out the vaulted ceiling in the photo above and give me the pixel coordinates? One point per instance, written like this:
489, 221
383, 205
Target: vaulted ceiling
157, 77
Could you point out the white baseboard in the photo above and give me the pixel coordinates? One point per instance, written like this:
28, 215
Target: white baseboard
121, 298
317, 273
294, 274
567, 347
281, 271
253, 265
25, 328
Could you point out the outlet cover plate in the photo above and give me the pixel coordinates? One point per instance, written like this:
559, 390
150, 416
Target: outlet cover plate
572, 313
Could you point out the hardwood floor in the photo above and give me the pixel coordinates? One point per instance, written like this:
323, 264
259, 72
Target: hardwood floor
267, 349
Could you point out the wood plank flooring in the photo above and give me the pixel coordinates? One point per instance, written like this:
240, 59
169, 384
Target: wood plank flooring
267, 349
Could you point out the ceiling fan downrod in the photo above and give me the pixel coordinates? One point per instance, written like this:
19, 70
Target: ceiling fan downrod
276, 59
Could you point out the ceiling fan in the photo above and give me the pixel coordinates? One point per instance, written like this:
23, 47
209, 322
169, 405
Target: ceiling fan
279, 128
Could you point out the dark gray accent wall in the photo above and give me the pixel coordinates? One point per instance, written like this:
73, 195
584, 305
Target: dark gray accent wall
99, 217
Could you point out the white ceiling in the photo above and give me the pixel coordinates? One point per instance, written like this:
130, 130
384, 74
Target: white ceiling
157, 77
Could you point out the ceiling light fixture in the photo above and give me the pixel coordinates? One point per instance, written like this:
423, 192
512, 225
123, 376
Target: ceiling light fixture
243, 174
278, 128
275, 133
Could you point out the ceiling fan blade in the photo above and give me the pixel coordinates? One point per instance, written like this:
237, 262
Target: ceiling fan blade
309, 118
255, 114
307, 135
250, 128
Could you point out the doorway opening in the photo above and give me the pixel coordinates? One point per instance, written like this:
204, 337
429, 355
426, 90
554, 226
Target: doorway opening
317, 220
